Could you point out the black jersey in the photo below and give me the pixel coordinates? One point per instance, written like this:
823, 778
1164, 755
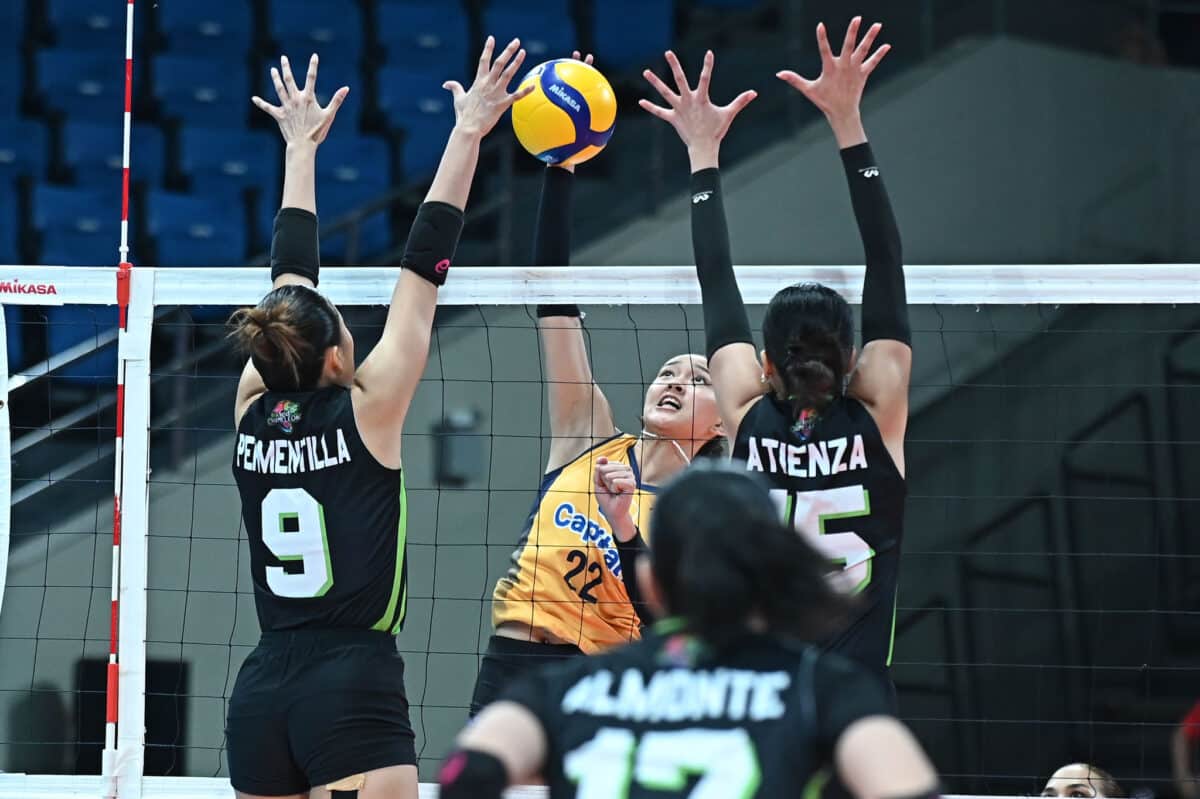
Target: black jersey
326, 521
835, 481
661, 718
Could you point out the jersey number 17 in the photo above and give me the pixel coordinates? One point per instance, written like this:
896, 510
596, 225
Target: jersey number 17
808, 511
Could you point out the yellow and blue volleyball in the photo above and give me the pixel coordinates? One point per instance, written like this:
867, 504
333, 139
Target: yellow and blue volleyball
570, 114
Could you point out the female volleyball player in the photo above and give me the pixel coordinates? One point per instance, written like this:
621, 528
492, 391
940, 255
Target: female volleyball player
320, 703
564, 593
824, 423
1082, 781
722, 699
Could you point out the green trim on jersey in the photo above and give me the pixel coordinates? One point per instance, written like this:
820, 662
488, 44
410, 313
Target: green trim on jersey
816, 785
892, 635
390, 622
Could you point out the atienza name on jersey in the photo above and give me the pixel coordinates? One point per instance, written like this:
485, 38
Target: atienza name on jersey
813, 459
309, 454
681, 695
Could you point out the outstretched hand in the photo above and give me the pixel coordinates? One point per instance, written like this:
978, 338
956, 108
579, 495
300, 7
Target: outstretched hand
478, 109
700, 123
300, 117
838, 90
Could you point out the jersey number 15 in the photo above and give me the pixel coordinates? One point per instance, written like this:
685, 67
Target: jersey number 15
808, 511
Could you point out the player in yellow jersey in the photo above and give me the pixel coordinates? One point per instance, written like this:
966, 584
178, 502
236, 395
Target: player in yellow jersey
565, 594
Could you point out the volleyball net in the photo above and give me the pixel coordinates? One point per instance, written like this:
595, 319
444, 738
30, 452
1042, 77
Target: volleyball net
1049, 599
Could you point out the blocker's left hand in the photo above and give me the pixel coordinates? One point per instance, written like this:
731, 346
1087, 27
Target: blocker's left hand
478, 109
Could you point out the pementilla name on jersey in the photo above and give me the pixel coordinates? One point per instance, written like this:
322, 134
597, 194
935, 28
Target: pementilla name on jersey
812, 459
282, 456
680, 695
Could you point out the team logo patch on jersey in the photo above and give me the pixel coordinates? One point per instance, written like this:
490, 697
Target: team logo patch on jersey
803, 426
285, 414
680, 650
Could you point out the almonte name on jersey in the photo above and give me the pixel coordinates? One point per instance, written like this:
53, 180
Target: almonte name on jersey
811, 459
281, 456
680, 695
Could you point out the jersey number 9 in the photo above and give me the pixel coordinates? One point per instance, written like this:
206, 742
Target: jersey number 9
808, 511
293, 529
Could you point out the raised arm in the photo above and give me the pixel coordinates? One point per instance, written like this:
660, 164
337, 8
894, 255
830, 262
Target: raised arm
579, 412
881, 377
295, 254
702, 126
388, 377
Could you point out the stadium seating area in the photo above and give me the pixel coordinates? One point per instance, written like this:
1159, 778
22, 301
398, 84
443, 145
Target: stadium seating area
205, 166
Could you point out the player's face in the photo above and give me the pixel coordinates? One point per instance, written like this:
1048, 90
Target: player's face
1075, 781
681, 403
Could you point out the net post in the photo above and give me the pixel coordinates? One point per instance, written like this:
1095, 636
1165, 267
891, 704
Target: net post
131, 513
5, 459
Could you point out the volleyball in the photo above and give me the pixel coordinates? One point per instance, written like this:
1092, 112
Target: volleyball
569, 116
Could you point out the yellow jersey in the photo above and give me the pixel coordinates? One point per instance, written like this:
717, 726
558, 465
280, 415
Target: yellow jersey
565, 578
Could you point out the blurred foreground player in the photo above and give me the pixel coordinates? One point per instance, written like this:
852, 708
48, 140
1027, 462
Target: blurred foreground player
824, 422
723, 699
319, 705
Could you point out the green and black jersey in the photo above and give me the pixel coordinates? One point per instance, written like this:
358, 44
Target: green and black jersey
326, 521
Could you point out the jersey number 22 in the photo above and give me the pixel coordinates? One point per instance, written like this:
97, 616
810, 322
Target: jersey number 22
293, 528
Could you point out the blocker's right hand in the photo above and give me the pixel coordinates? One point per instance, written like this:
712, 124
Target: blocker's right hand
478, 109
300, 117
700, 123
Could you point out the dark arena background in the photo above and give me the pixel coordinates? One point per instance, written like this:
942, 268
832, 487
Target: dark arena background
1042, 160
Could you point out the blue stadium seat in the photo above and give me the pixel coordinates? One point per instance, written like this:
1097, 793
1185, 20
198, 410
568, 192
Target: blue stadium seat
228, 161
83, 85
545, 27
414, 100
10, 224
727, 3
12, 24
79, 227
88, 25
94, 152
195, 230
327, 27
425, 32
621, 44
10, 64
69, 325
352, 171
194, 28
202, 91
24, 149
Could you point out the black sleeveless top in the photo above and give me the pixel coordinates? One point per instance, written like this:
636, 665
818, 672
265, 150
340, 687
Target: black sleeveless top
836, 482
326, 521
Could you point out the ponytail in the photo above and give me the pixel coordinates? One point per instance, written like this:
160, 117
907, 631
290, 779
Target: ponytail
813, 372
286, 336
723, 558
808, 333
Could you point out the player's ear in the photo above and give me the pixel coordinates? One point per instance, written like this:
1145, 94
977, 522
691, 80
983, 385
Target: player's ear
852, 361
651, 592
767, 367
333, 361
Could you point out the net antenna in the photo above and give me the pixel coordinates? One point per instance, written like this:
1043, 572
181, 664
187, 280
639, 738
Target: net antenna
123, 756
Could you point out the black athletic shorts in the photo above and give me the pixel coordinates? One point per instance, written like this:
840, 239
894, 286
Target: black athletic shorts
311, 707
506, 659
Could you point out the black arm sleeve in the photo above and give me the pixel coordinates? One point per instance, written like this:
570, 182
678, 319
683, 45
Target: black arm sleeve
725, 320
432, 241
630, 551
552, 234
295, 245
885, 304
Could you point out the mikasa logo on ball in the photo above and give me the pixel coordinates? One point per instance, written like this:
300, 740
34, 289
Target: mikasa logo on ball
561, 94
